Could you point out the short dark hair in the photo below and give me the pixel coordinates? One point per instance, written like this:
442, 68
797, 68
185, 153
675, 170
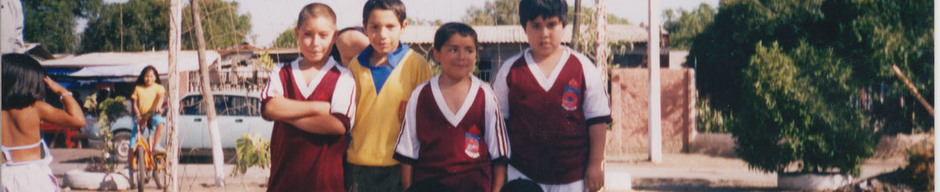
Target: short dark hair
521, 185
450, 29
315, 10
531, 9
23, 81
140, 78
394, 5
335, 52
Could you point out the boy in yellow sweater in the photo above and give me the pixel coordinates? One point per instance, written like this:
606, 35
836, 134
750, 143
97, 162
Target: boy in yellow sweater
386, 73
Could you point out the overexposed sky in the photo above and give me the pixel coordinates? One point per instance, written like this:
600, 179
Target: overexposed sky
271, 17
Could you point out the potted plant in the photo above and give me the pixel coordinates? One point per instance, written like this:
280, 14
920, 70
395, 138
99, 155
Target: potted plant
799, 119
102, 174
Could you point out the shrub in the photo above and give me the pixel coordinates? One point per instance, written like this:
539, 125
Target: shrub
251, 150
797, 110
711, 120
919, 169
108, 111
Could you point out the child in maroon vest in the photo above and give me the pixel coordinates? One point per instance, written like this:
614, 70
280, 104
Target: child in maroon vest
555, 106
311, 102
452, 131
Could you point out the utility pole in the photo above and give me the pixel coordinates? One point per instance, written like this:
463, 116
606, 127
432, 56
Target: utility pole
601, 48
207, 97
655, 103
176, 20
576, 31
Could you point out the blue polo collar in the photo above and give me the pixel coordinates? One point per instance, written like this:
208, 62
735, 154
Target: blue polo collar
394, 58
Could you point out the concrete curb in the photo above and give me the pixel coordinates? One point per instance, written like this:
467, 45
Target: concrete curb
813, 182
81, 179
618, 181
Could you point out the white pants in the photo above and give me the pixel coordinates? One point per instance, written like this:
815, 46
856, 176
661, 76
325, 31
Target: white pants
512, 173
35, 176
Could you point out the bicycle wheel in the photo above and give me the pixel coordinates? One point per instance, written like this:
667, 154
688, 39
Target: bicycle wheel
159, 172
141, 171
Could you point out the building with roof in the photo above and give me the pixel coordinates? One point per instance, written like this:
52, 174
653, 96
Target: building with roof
628, 44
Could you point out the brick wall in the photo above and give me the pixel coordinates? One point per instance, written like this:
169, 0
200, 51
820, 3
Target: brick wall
629, 105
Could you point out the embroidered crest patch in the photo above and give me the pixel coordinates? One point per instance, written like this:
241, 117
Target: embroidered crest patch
472, 142
570, 99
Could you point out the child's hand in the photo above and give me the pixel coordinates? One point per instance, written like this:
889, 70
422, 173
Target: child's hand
594, 177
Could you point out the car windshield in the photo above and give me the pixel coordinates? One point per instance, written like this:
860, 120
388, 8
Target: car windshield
225, 105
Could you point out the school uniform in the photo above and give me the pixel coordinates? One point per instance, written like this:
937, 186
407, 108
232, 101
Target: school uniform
548, 115
456, 149
303, 161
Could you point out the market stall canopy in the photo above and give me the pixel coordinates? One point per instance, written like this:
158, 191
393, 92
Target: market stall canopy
127, 64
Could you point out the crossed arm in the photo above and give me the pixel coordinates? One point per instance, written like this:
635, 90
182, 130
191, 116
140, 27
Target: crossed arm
309, 116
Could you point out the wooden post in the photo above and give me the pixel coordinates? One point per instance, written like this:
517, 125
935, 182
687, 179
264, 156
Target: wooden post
207, 97
176, 20
655, 104
576, 29
602, 50
910, 87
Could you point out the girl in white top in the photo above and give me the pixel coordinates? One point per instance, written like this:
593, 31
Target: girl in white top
26, 157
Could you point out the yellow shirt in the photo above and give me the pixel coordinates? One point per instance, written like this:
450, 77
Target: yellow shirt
375, 131
145, 95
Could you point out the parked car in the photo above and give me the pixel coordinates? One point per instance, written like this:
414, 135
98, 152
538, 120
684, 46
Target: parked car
238, 113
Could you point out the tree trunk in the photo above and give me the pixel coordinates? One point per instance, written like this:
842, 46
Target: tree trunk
576, 31
602, 50
176, 19
208, 99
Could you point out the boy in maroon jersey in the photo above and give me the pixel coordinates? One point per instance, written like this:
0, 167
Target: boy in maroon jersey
311, 102
555, 106
452, 132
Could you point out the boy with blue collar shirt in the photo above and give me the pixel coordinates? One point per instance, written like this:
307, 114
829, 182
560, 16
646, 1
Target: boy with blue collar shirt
555, 106
386, 73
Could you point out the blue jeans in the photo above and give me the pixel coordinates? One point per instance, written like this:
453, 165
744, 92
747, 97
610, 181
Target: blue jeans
152, 124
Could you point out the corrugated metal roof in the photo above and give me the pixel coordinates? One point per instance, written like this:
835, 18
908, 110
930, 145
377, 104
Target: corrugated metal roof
515, 34
120, 64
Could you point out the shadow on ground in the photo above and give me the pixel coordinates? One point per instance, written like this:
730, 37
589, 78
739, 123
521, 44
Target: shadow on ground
684, 184
185, 158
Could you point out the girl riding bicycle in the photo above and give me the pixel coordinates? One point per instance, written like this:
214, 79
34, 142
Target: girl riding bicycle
148, 99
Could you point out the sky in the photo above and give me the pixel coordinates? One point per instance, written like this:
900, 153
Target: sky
271, 17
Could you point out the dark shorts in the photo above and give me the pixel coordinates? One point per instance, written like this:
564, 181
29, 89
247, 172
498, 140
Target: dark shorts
372, 179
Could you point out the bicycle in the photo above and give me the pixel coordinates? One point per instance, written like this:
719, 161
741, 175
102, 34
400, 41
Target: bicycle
147, 163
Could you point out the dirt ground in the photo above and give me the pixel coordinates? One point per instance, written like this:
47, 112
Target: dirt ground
709, 166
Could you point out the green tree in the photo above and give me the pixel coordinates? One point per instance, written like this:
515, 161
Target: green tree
222, 24
496, 12
683, 25
868, 35
795, 111
794, 74
427, 22
52, 22
286, 39
135, 25
139, 25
